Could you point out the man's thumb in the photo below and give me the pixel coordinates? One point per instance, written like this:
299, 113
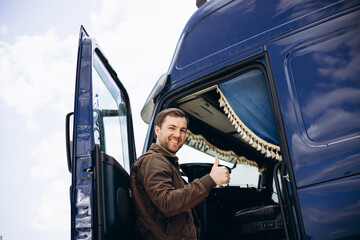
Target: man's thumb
216, 164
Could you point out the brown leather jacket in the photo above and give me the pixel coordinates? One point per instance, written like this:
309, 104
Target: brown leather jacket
161, 199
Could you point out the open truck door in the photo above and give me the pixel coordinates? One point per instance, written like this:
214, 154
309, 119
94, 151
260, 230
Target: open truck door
100, 148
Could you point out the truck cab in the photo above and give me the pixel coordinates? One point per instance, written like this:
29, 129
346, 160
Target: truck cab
271, 88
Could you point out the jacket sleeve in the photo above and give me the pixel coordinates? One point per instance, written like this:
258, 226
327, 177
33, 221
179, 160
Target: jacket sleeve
156, 175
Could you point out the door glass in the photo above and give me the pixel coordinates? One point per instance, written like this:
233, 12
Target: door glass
109, 114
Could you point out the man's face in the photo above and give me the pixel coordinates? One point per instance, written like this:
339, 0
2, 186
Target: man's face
171, 135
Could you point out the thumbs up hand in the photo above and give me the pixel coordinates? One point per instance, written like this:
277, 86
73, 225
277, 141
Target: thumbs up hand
220, 175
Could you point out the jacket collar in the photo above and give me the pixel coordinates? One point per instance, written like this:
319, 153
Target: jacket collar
169, 155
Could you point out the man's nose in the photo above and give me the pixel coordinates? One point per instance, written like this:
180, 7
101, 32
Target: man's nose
177, 133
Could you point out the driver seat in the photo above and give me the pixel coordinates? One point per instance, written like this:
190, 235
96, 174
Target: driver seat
260, 222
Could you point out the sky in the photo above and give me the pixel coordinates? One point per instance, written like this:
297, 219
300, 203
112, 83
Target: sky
38, 50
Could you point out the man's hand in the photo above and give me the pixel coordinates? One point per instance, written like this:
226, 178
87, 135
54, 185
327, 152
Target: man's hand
220, 175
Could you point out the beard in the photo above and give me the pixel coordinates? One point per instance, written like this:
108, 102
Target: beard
170, 145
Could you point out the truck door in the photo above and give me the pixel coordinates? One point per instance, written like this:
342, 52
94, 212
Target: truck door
318, 87
103, 149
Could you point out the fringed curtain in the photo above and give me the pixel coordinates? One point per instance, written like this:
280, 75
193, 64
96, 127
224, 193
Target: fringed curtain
201, 144
245, 101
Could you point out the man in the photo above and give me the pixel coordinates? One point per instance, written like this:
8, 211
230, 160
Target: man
162, 201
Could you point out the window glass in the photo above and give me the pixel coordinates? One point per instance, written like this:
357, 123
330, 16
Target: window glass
274, 195
109, 114
326, 79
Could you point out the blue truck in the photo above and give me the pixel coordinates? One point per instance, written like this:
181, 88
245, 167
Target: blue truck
272, 88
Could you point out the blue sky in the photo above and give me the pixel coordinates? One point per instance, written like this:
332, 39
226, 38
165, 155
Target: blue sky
38, 47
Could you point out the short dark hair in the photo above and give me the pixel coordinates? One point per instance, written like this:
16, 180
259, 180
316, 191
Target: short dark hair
175, 112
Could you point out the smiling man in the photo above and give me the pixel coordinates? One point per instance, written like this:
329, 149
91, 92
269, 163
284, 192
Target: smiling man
163, 202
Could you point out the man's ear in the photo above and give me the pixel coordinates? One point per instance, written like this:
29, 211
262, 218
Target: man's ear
157, 129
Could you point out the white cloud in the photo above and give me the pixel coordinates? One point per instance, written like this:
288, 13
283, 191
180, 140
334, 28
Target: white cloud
109, 10
3, 30
50, 157
36, 73
140, 43
37, 79
53, 211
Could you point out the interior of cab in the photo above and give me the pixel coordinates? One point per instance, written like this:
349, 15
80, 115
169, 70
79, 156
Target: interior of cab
233, 120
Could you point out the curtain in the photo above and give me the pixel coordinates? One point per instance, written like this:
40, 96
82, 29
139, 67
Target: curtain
246, 102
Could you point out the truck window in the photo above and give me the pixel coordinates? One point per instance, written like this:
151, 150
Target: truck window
326, 81
109, 114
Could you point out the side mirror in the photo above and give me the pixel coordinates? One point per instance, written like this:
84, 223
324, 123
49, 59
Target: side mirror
148, 109
69, 126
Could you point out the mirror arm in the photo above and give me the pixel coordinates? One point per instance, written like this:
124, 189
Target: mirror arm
67, 140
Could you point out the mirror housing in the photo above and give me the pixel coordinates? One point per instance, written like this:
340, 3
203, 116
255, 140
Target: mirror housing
199, 3
148, 109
